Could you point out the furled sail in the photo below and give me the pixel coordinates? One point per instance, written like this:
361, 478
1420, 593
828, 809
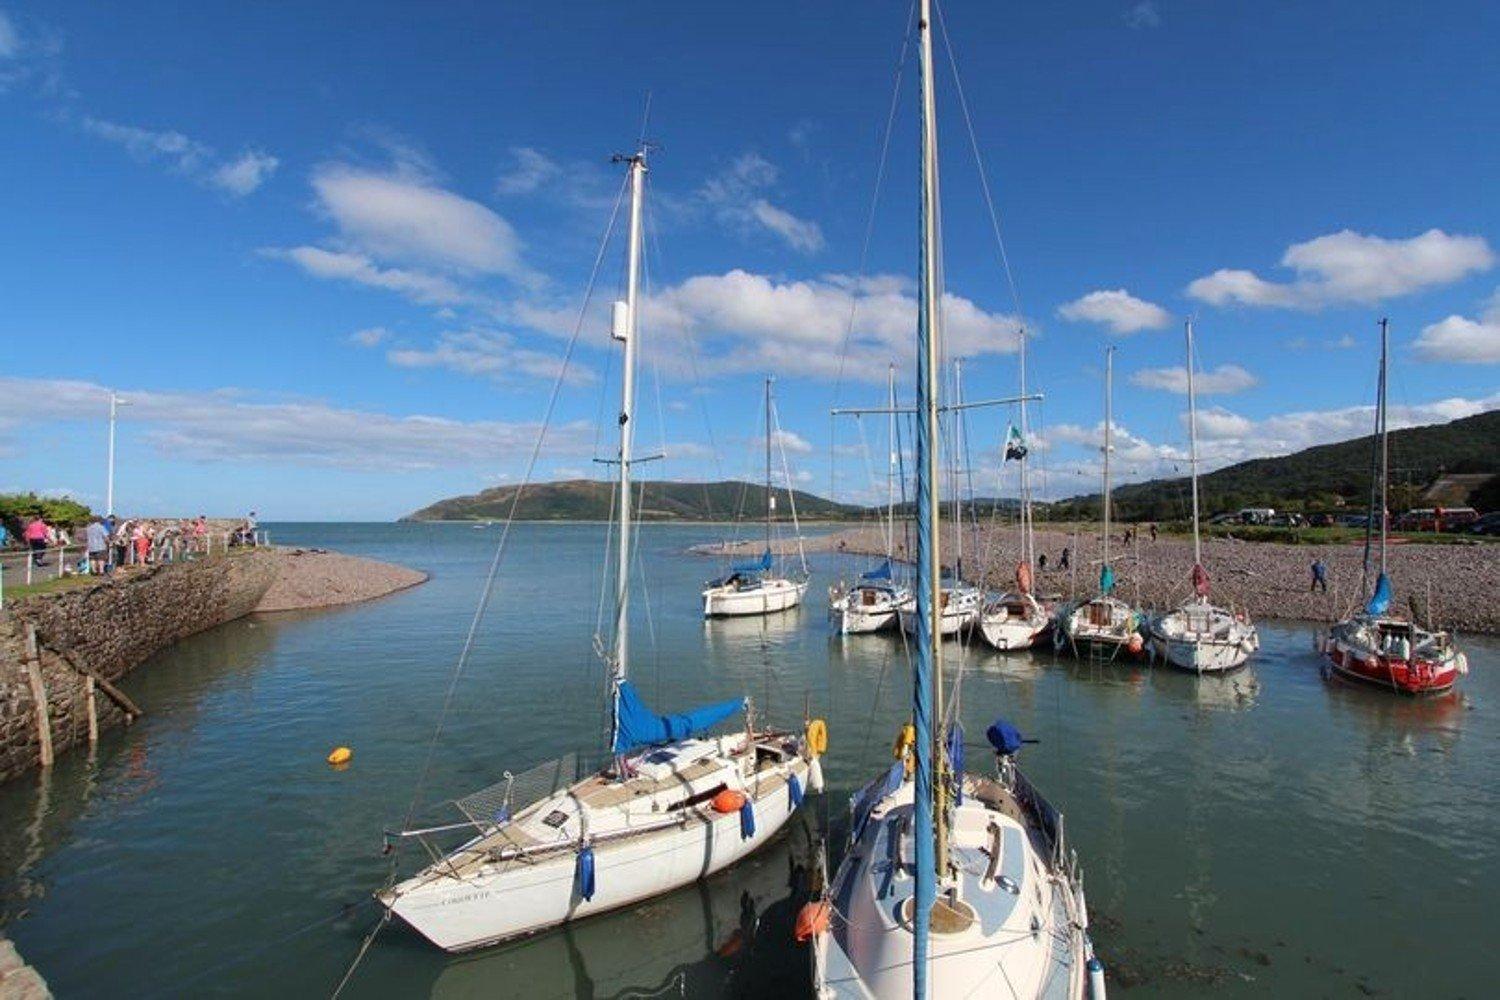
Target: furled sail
760, 565
1380, 601
639, 726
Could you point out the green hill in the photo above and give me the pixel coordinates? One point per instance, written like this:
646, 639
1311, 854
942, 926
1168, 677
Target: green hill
1320, 478
592, 500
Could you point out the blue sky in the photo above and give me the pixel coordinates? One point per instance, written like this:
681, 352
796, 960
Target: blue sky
333, 253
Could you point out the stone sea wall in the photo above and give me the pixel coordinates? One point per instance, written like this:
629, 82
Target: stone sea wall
108, 629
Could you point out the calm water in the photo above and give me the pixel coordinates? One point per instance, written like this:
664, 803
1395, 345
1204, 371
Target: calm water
1268, 833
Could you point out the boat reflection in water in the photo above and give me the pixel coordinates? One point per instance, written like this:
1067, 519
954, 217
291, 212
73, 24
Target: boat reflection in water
738, 634
727, 935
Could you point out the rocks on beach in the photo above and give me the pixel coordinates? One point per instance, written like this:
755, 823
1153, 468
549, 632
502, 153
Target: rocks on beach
315, 578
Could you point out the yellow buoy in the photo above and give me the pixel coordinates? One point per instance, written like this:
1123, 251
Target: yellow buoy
340, 755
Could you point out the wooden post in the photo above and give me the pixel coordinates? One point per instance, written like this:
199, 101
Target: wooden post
93, 708
39, 695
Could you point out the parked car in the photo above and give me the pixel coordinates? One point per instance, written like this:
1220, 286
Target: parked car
1321, 520
1487, 524
1287, 520
1257, 515
1353, 520
1224, 518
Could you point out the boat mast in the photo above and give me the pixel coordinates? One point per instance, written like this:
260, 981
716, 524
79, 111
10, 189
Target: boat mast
1028, 541
956, 455
1193, 444
1385, 471
627, 331
927, 671
890, 472
770, 500
1109, 418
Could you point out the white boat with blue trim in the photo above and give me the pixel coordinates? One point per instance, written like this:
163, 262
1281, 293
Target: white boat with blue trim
670, 805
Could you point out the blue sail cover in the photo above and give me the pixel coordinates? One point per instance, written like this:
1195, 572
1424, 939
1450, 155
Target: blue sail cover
759, 566
1106, 579
1381, 599
881, 572
638, 726
956, 761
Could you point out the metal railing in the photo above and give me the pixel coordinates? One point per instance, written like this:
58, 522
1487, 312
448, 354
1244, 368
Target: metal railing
54, 562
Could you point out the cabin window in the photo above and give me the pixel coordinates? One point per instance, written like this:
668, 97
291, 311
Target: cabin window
555, 819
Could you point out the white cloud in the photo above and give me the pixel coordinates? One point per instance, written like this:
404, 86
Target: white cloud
490, 354
331, 265
745, 322
799, 234
242, 176
736, 196
189, 157
1350, 267
1143, 15
789, 441
10, 39
405, 218
529, 170
232, 426
1464, 340
1117, 309
183, 154
1223, 380
372, 336
1225, 438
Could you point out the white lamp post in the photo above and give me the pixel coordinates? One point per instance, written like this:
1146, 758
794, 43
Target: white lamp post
115, 402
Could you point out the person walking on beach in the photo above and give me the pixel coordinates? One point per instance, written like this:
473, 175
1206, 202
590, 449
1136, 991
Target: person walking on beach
1041, 562
96, 541
1319, 577
1153, 531
200, 533
1062, 563
35, 534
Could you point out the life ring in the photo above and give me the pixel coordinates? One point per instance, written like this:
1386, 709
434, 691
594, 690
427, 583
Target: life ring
817, 737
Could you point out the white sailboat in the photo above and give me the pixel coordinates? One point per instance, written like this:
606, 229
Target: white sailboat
672, 806
1103, 625
872, 603
1016, 619
756, 588
1200, 636
954, 884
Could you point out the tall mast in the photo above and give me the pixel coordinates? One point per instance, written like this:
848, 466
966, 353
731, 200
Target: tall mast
626, 328
890, 472
956, 434
1193, 444
770, 501
1109, 419
927, 672
1385, 471
1028, 541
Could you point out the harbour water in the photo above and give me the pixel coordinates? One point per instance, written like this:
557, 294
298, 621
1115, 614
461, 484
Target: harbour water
1270, 833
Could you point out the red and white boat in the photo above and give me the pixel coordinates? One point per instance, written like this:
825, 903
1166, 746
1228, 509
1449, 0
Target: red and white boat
1393, 653
1375, 645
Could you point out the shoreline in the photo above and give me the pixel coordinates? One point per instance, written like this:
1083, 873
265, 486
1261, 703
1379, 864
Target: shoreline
1269, 580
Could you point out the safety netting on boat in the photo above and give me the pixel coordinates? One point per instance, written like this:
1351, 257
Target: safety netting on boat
496, 804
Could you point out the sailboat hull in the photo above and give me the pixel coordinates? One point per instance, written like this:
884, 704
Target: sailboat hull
1015, 621
773, 595
960, 612
467, 902
865, 609
1013, 926
1354, 652
1201, 638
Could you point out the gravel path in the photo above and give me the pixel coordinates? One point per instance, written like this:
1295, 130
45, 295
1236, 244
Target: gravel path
316, 579
1267, 579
